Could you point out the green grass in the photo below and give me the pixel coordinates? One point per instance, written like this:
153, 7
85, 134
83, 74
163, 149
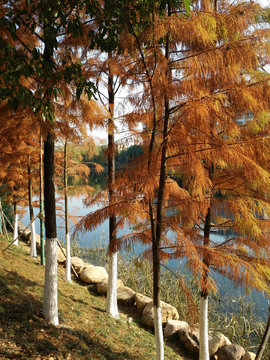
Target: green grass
86, 331
242, 325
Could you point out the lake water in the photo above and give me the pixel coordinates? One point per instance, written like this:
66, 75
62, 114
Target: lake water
226, 288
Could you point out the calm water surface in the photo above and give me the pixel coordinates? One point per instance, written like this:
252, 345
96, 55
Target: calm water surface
226, 287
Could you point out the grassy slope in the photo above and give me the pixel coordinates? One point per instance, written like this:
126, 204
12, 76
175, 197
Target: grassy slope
85, 331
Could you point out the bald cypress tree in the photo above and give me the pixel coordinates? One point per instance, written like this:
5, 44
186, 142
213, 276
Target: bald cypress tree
31, 77
191, 131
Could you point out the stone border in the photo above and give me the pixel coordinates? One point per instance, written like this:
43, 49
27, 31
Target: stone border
220, 346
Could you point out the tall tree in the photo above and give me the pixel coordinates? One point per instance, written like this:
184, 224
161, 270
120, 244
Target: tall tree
68, 264
33, 251
68, 170
15, 152
32, 25
151, 75
15, 231
73, 125
202, 142
33, 159
41, 204
113, 70
111, 306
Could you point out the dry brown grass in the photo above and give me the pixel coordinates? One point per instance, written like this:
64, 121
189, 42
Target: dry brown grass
86, 331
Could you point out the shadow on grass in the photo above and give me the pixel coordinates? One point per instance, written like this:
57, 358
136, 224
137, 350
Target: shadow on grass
88, 333
26, 335
77, 300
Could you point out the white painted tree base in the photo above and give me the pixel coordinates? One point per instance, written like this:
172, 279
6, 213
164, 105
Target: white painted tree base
50, 302
68, 265
204, 347
33, 251
15, 231
111, 305
158, 334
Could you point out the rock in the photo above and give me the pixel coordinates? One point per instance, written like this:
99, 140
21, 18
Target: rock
125, 295
230, 352
86, 265
173, 326
249, 356
21, 228
61, 259
190, 338
38, 245
102, 286
141, 302
60, 256
93, 274
167, 312
77, 263
217, 342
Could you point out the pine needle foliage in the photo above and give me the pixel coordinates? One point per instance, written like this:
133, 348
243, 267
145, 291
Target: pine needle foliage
210, 78
19, 148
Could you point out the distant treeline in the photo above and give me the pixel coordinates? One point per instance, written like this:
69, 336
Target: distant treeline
122, 157
92, 155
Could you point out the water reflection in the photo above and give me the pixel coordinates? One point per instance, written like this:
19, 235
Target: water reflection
230, 298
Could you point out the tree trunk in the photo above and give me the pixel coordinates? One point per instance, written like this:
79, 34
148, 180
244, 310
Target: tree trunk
3, 221
111, 305
265, 338
204, 348
50, 304
156, 250
68, 266
15, 231
33, 251
42, 252
156, 300
159, 220
50, 307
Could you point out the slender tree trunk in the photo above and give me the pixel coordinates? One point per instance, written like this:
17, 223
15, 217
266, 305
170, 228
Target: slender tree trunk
111, 305
156, 262
159, 220
156, 258
204, 347
156, 300
50, 305
265, 338
15, 231
42, 252
50, 302
33, 251
156, 251
157, 243
3, 221
68, 266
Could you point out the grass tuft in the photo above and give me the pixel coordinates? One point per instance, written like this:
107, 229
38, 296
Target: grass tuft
241, 324
86, 331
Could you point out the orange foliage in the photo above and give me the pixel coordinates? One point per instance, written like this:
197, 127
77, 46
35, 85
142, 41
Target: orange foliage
211, 79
